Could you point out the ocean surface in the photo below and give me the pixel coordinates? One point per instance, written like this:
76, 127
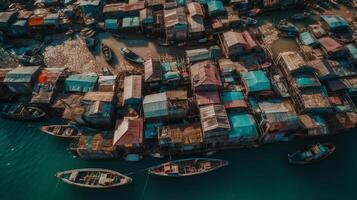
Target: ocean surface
29, 159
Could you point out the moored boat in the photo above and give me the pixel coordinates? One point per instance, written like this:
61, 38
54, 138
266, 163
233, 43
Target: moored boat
248, 21
311, 154
94, 178
288, 27
131, 56
22, 112
187, 167
300, 16
64, 131
107, 52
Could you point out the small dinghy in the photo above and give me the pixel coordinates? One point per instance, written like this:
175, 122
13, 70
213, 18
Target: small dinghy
311, 154
94, 178
107, 52
22, 112
300, 16
64, 131
131, 56
187, 167
248, 21
287, 27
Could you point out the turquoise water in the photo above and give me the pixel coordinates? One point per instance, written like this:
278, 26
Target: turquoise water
29, 159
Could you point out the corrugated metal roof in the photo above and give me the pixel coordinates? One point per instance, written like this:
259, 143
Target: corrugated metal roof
330, 44
229, 96
213, 117
152, 70
194, 9
81, 82
155, 105
334, 21
215, 6
307, 39
292, 60
322, 68
174, 17
181, 133
232, 38
205, 98
128, 132
352, 50
132, 87
205, 73
99, 96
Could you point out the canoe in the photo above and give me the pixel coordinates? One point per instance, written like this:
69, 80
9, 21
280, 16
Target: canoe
107, 52
248, 21
311, 154
131, 56
288, 27
94, 178
22, 112
187, 167
64, 131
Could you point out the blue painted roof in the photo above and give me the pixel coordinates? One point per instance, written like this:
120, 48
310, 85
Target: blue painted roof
215, 6
130, 22
334, 21
307, 39
111, 24
256, 81
305, 80
352, 50
232, 96
243, 126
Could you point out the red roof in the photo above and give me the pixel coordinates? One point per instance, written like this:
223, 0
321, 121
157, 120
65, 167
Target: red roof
250, 43
205, 73
204, 98
330, 44
128, 132
236, 104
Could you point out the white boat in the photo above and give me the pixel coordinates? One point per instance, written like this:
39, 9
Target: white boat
94, 178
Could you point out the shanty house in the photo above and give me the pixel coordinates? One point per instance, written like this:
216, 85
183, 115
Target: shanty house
166, 105
47, 85
308, 39
180, 137
111, 25
232, 44
80, 83
5, 93
243, 128
153, 73
312, 100
256, 82
131, 23
323, 69
215, 8
234, 100
214, 122
334, 23
121, 10
21, 79
107, 83
132, 90
195, 55
205, 76
195, 19
331, 48
207, 97
98, 109
129, 133
292, 62
176, 26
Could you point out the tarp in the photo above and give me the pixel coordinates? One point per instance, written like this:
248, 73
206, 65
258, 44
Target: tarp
215, 7
334, 21
131, 22
232, 96
256, 81
243, 126
307, 39
111, 24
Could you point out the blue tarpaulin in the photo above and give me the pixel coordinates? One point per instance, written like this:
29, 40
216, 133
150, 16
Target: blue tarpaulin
215, 7
243, 126
307, 39
232, 96
334, 21
256, 81
111, 24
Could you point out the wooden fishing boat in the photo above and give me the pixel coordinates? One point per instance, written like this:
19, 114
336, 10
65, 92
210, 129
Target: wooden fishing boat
94, 178
187, 167
311, 154
107, 52
300, 16
22, 112
64, 131
131, 56
288, 27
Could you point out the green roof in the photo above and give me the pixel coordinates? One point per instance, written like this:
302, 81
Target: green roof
111, 24
334, 21
232, 96
215, 7
81, 82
